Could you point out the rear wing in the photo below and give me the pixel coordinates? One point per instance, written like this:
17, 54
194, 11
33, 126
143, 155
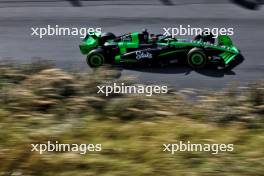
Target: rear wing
90, 42
92, 34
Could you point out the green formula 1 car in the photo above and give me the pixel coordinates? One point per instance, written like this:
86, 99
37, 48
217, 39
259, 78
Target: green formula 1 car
157, 49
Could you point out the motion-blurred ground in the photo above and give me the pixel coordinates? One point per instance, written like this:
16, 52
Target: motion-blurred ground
40, 103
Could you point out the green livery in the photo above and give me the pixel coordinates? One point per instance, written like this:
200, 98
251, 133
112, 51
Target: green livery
148, 49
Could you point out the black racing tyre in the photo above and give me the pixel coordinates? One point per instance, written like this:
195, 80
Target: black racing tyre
196, 58
95, 58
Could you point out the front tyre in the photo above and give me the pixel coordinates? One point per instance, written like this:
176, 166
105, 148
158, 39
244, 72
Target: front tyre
95, 58
197, 58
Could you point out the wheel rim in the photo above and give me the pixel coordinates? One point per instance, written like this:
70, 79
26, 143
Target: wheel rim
96, 60
197, 59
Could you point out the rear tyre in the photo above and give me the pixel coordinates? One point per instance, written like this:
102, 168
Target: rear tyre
197, 58
95, 58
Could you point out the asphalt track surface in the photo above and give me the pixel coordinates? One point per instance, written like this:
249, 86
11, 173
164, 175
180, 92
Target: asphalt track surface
17, 43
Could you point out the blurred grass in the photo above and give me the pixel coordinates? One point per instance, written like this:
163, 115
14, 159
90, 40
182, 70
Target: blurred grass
40, 102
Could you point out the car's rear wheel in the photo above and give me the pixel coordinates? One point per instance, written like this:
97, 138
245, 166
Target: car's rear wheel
197, 58
95, 58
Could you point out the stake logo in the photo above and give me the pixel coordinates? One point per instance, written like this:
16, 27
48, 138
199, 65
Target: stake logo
141, 55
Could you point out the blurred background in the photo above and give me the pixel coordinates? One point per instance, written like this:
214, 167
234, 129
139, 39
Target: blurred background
48, 93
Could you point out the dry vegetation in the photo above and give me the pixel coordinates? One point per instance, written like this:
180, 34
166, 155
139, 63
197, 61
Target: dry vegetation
40, 103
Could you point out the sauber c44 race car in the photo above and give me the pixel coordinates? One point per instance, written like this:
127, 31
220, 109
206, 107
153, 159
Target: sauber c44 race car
157, 49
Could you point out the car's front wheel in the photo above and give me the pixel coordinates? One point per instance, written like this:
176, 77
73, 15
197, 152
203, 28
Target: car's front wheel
197, 58
95, 58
